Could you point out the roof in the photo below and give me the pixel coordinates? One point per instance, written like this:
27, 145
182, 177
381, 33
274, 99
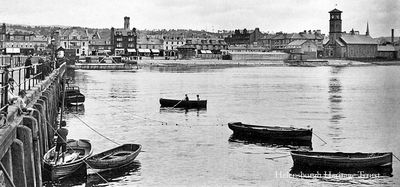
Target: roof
386, 48
125, 32
245, 47
153, 41
339, 43
335, 11
297, 43
325, 41
358, 39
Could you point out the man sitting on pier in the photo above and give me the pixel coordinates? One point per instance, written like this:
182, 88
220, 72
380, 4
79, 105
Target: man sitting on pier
61, 134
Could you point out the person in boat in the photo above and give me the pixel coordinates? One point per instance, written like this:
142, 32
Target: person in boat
186, 97
198, 98
61, 134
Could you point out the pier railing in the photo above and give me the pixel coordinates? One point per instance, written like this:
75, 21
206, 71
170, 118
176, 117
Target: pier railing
25, 77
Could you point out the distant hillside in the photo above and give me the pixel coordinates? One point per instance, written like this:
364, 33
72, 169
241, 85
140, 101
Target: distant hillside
47, 30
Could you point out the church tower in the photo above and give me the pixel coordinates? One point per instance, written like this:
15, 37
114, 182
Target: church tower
335, 25
367, 33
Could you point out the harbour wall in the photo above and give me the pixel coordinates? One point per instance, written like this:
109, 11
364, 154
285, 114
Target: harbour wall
25, 138
103, 66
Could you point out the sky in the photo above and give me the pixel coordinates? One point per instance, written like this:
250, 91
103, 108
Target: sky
211, 15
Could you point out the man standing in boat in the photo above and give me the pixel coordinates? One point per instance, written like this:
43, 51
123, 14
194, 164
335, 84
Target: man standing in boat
186, 97
61, 134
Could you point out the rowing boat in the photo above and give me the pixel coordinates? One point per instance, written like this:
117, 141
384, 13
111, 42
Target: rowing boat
270, 132
183, 103
77, 152
114, 158
340, 159
73, 96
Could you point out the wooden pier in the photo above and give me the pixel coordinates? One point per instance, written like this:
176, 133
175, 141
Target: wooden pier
24, 139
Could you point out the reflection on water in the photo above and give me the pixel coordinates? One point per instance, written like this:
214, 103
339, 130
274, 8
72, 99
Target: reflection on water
291, 144
115, 175
335, 100
183, 110
78, 109
187, 68
77, 178
354, 176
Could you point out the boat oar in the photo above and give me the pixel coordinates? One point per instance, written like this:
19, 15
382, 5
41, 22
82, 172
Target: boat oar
178, 103
272, 158
319, 138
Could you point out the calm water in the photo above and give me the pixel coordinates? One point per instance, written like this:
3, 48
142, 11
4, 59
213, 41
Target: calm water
354, 109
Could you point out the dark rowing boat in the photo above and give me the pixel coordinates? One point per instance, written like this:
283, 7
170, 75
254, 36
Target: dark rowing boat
183, 104
270, 132
341, 160
73, 96
77, 152
114, 158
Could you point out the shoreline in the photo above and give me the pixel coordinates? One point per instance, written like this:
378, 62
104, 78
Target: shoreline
274, 63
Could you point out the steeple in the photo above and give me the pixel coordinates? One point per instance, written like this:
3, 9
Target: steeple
367, 33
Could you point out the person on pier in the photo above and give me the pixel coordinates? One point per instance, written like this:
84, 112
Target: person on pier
61, 134
28, 68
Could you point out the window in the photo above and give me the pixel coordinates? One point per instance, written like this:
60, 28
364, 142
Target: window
119, 44
119, 39
83, 44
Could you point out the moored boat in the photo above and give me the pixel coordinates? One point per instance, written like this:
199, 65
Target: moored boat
114, 158
270, 132
340, 159
77, 152
182, 103
73, 96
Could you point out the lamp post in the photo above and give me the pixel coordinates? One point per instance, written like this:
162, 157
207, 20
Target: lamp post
53, 51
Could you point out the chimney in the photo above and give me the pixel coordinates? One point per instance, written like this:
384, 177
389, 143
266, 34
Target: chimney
392, 36
126, 23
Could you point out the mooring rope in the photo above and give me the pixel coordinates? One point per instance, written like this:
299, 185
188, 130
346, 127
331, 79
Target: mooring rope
396, 157
319, 138
95, 130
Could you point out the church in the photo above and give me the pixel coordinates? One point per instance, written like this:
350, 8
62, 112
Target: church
348, 45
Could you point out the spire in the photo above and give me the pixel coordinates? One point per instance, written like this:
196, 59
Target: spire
367, 33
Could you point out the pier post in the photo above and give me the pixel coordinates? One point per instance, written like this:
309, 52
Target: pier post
17, 156
25, 135
30, 122
7, 163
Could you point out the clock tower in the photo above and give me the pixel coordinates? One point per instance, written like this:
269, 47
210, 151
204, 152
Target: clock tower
335, 25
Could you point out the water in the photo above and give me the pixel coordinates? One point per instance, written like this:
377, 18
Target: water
353, 109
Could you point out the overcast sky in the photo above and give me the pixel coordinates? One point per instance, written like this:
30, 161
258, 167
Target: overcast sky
211, 15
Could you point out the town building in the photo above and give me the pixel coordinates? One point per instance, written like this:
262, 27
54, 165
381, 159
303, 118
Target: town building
244, 37
348, 45
204, 47
76, 39
306, 48
171, 44
99, 44
280, 40
149, 46
124, 41
21, 42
